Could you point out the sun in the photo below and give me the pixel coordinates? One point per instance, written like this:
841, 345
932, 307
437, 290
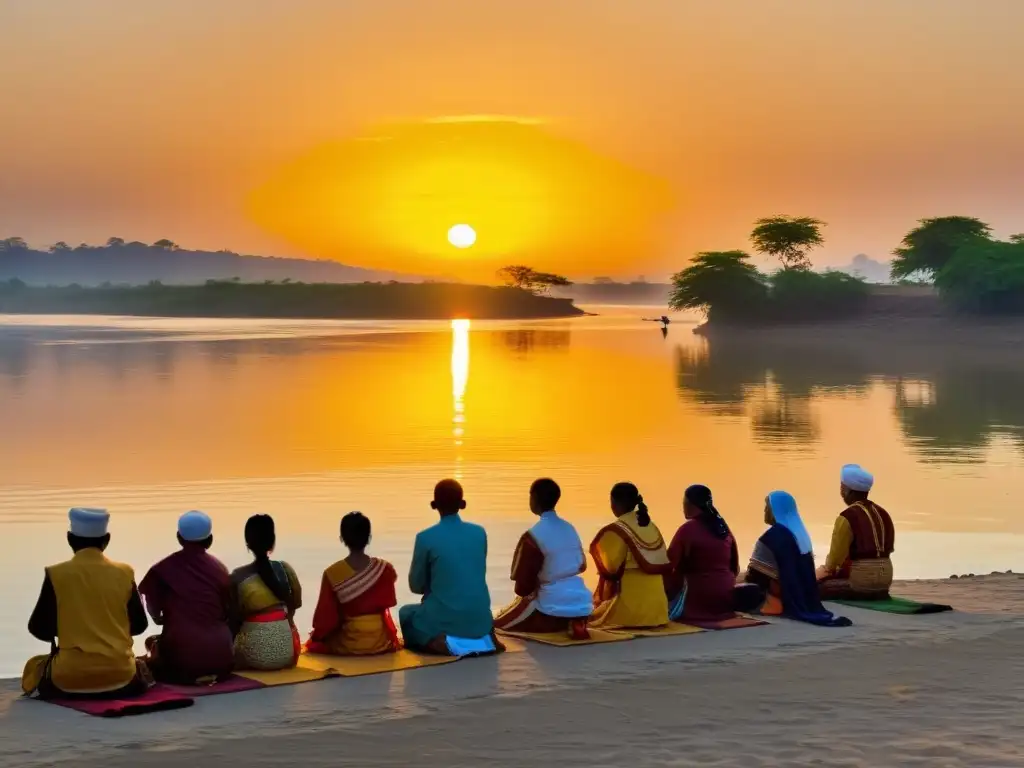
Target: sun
462, 236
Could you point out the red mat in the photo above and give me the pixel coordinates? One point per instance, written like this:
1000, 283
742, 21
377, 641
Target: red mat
232, 684
736, 622
157, 699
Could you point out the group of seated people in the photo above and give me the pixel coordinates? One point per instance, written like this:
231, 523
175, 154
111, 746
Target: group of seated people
214, 622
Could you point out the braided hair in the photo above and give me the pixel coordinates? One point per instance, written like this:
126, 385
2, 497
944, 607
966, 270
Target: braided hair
700, 497
628, 496
260, 538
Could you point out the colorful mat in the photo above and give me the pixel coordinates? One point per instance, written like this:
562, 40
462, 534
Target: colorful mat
160, 698
356, 666
668, 630
899, 605
736, 622
232, 684
309, 669
562, 639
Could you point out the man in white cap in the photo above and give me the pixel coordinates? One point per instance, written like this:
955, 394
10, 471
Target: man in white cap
88, 611
189, 594
858, 566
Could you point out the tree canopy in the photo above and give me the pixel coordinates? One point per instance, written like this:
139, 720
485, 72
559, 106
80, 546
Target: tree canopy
788, 238
931, 244
529, 279
985, 276
723, 284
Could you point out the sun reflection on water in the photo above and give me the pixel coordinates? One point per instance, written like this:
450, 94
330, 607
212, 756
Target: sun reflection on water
460, 376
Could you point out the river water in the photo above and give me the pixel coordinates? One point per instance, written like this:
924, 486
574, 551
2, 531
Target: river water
307, 420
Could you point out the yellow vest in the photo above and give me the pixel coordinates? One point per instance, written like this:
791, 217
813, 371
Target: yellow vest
93, 631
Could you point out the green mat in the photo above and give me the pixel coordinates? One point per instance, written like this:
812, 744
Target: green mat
896, 605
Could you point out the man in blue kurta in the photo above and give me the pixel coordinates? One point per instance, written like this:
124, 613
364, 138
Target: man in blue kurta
449, 566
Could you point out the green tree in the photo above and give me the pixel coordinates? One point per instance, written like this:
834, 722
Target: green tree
720, 284
985, 276
166, 245
929, 247
529, 279
802, 294
1018, 238
60, 247
115, 242
788, 238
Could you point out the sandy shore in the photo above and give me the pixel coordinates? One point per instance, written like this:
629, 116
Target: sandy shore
891, 690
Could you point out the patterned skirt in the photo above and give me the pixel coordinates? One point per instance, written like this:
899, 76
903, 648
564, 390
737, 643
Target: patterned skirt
266, 645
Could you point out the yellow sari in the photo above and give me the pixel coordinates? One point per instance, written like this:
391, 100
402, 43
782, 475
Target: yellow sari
631, 560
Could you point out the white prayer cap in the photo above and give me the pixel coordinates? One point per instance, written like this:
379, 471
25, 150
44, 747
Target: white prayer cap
88, 523
195, 526
856, 478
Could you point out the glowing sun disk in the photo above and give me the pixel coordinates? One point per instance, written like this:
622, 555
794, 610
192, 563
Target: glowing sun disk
462, 236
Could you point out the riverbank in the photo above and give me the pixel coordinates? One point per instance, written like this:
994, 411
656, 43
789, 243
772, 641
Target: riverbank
385, 301
889, 690
903, 314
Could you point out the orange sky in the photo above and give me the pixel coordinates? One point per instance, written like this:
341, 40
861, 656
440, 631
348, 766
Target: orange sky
162, 119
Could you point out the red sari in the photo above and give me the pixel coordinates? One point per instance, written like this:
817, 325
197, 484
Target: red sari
353, 616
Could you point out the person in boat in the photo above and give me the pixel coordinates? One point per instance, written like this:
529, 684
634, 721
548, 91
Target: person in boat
88, 610
701, 585
858, 566
783, 566
546, 568
266, 594
188, 593
353, 613
449, 569
631, 562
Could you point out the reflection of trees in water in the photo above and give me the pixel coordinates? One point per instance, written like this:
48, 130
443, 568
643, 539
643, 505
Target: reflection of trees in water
784, 420
774, 385
17, 358
22, 357
949, 405
526, 340
970, 407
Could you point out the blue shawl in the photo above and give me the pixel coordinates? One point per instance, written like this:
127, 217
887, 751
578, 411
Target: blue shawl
799, 584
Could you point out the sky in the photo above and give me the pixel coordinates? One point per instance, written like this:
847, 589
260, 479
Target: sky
680, 124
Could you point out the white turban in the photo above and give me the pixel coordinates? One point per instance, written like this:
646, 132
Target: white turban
195, 526
88, 523
856, 478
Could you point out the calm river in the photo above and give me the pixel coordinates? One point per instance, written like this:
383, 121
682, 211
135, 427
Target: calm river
307, 420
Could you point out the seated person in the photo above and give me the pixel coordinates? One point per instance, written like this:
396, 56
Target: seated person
546, 569
265, 594
449, 568
783, 566
88, 610
189, 594
353, 616
705, 563
631, 562
858, 566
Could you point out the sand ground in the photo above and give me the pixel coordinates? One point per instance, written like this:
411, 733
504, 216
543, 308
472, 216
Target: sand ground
942, 690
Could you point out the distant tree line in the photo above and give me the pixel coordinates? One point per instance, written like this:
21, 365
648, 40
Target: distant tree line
122, 262
971, 270
233, 298
725, 286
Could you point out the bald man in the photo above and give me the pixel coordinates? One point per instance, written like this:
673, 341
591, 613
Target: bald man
858, 566
449, 568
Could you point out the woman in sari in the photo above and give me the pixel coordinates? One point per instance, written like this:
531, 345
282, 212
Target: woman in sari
266, 594
631, 561
701, 586
783, 565
353, 614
